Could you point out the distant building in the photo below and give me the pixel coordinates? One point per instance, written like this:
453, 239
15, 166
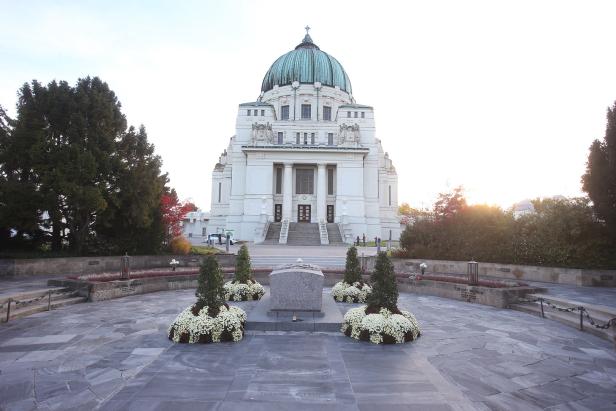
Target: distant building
525, 207
522, 208
195, 226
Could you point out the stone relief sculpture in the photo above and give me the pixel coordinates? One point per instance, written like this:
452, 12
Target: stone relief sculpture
349, 135
262, 134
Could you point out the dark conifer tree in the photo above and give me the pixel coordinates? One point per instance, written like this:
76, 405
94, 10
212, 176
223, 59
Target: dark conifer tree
242, 265
352, 271
599, 181
210, 290
384, 288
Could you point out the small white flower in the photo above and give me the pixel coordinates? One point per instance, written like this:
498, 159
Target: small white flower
383, 323
342, 291
228, 319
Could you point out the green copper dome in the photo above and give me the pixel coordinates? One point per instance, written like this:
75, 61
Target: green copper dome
306, 64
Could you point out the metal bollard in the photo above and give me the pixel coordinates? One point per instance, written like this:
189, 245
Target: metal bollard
473, 273
542, 314
581, 318
125, 264
8, 310
49, 301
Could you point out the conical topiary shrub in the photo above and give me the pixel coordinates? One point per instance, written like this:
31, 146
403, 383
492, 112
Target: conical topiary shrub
243, 287
210, 319
381, 321
352, 289
210, 290
242, 265
352, 270
384, 288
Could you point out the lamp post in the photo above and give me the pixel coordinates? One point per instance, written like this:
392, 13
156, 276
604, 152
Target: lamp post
125, 267
473, 273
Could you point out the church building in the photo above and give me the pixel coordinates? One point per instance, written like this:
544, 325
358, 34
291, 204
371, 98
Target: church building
305, 166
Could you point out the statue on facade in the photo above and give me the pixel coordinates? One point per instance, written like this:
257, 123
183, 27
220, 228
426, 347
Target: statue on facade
262, 134
349, 135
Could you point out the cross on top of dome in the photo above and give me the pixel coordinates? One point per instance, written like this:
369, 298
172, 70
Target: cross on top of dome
307, 41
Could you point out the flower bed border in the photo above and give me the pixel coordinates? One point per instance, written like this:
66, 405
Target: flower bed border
109, 289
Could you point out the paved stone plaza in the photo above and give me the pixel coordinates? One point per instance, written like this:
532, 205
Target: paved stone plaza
115, 355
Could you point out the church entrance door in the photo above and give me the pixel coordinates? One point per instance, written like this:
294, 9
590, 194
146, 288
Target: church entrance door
303, 213
277, 213
330, 213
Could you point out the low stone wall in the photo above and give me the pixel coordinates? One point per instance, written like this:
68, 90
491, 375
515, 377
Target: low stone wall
495, 297
93, 265
571, 276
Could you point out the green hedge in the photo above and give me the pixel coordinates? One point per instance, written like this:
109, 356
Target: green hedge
561, 233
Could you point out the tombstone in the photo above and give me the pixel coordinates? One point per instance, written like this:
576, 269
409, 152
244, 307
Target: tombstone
296, 287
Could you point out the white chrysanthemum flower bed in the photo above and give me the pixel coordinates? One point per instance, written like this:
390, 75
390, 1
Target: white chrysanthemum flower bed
236, 291
382, 327
351, 293
227, 325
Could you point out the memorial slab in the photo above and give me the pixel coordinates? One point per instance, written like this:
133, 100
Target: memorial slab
296, 287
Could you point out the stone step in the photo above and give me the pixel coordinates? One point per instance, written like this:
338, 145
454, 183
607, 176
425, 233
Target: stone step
333, 232
273, 232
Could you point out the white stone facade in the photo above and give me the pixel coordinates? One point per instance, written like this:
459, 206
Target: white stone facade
310, 166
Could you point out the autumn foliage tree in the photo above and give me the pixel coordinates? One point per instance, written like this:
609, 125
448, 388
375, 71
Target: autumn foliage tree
173, 212
560, 232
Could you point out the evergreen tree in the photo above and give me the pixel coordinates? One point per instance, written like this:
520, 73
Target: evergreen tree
599, 181
210, 290
242, 265
132, 221
352, 271
384, 288
69, 166
20, 147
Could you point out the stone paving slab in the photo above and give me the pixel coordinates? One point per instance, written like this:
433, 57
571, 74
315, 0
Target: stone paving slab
469, 357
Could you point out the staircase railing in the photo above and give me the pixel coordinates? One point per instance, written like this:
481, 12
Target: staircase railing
263, 235
284, 231
324, 235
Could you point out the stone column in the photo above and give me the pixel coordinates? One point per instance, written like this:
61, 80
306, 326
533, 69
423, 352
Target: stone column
321, 192
287, 191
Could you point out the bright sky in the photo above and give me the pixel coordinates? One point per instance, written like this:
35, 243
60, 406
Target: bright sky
502, 97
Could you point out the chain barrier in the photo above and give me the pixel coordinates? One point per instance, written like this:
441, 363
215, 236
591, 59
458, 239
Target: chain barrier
583, 312
12, 303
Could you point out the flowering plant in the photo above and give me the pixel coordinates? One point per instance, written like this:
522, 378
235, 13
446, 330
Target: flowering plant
204, 325
384, 326
248, 291
351, 293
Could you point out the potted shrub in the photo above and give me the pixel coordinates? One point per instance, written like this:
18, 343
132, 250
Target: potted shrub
210, 319
352, 289
243, 287
380, 321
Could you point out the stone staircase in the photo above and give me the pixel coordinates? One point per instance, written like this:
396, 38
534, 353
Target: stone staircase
30, 302
599, 313
333, 232
273, 233
304, 234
